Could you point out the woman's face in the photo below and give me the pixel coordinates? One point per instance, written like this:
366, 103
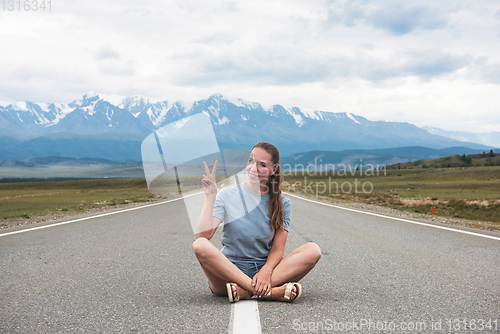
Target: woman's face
260, 166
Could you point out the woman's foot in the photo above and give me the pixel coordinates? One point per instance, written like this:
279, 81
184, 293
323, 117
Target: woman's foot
288, 292
236, 293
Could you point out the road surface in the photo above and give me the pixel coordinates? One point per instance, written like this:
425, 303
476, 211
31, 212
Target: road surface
135, 272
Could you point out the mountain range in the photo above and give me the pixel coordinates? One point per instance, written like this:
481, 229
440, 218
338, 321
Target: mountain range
488, 138
366, 159
99, 127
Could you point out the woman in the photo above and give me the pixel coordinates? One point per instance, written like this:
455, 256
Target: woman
251, 261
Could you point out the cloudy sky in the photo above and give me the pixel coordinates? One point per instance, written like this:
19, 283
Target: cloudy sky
424, 62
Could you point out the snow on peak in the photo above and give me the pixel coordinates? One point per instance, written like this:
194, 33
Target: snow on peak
133, 101
138, 97
21, 106
44, 107
90, 94
352, 117
186, 105
224, 120
178, 124
218, 97
90, 109
298, 118
214, 111
236, 102
157, 112
113, 99
216, 100
61, 111
314, 114
242, 103
29, 108
136, 104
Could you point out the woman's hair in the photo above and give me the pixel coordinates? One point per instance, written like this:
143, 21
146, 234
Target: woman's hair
276, 214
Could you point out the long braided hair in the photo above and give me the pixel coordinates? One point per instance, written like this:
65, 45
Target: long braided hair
276, 214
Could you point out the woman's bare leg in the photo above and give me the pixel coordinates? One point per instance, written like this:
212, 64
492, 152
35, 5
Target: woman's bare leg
294, 266
218, 269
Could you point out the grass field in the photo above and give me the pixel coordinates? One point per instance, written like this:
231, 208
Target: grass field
26, 199
470, 193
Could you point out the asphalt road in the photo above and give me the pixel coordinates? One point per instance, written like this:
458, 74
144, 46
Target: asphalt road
135, 272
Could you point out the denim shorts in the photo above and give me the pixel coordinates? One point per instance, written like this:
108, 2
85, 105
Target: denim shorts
249, 268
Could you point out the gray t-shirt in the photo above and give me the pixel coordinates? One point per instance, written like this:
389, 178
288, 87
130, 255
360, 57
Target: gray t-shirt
247, 235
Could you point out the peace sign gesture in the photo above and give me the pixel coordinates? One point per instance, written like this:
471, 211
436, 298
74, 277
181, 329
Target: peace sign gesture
209, 179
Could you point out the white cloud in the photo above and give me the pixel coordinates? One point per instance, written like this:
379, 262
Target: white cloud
418, 61
121, 69
107, 52
395, 17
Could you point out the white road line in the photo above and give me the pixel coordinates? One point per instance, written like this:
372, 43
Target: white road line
96, 216
245, 318
400, 219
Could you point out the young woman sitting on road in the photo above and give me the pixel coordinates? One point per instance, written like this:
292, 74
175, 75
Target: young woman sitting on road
251, 261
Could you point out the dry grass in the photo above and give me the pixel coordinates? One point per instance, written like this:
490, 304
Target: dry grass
26, 199
466, 192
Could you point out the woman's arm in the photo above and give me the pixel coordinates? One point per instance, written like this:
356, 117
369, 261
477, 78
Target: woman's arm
262, 279
207, 224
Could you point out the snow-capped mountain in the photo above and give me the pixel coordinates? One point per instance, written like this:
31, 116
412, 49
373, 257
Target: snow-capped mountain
96, 126
25, 120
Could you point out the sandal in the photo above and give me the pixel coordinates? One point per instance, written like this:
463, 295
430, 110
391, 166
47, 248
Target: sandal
288, 293
230, 293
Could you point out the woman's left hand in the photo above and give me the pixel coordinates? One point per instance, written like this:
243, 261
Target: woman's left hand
261, 283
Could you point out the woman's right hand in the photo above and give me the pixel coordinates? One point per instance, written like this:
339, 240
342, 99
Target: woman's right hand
208, 181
